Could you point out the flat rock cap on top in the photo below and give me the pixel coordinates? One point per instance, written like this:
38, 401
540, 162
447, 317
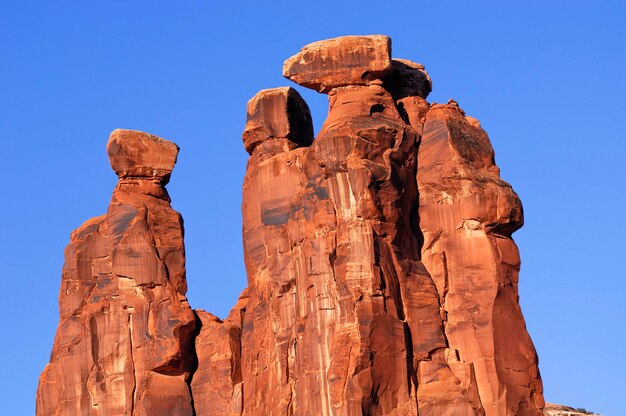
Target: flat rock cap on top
277, 113
133, 153
347, 60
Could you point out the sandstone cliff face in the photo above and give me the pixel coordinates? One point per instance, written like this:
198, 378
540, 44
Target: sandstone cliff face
467, 214
382, 277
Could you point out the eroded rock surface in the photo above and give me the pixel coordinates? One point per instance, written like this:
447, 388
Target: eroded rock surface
217, 384
368, 296
135, 154
278, 113
467, 214
382, 276
124, 345
338, 62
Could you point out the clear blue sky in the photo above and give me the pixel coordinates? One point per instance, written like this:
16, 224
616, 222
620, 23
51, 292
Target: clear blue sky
546, 79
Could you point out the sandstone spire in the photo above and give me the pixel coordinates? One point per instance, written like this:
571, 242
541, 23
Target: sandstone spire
467, 214
344, 316
382, 276
124, 345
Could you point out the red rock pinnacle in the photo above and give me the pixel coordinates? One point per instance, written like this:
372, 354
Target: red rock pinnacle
382, 276
467, 214
124, 345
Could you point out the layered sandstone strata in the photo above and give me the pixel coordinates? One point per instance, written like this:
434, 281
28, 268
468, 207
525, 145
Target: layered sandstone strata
382, 277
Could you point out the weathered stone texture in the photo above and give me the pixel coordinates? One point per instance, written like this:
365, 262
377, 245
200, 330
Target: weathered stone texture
135, 154
382, 276
217, 384
552, 409
338, 62
277, 113
467, 214
368, 296
126, 329
339, 303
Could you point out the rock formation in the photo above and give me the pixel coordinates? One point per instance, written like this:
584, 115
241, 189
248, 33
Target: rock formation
467, 215
382, 277
552, 409
124, 345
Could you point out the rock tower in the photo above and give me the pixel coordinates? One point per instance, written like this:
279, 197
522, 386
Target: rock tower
382, 277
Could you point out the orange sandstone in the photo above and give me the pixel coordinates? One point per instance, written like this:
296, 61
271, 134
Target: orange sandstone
382, 276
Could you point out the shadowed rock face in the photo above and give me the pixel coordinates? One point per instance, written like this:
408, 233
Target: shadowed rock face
407, 79
279, 113
382, 277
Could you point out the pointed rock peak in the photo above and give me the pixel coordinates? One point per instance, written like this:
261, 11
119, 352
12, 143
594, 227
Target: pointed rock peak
407, 79
135, 154
347, 60
277, 113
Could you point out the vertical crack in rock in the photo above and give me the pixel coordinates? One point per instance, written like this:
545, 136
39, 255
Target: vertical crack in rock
194, 365
132, 363
382, 277
444, 290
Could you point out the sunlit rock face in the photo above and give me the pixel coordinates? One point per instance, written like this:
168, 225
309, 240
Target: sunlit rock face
124, 345
467, 215
340, 62
382, 277
552, 409
341, 311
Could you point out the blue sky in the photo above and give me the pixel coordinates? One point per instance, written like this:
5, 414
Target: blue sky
546, 79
